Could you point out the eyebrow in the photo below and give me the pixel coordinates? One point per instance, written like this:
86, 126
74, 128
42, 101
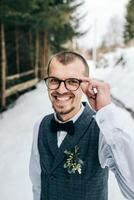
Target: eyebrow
63, 79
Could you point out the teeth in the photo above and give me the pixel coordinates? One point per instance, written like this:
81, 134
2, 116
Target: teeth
63, 98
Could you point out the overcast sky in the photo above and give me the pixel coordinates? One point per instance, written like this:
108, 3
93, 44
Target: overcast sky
99, 12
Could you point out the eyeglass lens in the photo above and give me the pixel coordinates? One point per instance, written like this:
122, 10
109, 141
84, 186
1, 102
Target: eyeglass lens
71, 84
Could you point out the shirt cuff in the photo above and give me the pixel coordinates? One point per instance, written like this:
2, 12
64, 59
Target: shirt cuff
107, 120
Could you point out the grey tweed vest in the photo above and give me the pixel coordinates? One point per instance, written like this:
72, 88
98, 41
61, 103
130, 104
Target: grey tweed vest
56, 182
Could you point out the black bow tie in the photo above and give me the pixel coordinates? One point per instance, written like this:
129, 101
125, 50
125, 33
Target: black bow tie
68, 126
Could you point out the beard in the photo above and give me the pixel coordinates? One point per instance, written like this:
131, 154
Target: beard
62, 111
62, 108
64, 105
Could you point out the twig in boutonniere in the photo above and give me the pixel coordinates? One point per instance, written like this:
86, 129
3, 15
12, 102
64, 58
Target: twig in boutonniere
73, 163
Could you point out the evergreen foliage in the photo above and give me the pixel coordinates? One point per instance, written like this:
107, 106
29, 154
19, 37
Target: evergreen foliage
51, 20
129, 27
31, 30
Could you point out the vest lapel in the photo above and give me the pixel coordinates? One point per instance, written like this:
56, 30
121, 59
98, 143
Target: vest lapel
47, 138
81, 126
52, 139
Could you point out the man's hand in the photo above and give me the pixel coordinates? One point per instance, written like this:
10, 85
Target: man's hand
99, 99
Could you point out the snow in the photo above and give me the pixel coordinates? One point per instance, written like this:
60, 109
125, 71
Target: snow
16, 125
120, 76
99, 14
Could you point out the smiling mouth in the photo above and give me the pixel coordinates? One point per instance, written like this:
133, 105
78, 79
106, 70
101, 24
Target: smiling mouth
60, 98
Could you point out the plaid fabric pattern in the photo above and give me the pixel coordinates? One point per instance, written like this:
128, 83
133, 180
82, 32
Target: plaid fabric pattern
56, 182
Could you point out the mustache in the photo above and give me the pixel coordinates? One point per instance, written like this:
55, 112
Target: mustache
55, 93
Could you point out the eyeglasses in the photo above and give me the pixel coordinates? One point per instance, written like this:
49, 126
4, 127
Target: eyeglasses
71, 84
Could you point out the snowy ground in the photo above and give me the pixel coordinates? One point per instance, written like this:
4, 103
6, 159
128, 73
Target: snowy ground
16, 127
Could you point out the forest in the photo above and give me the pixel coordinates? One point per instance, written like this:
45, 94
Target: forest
30, 31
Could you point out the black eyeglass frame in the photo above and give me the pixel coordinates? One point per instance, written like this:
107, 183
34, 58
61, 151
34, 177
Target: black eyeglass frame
64, 81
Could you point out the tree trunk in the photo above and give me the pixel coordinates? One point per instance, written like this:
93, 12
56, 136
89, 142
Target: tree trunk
41, 55
46, 51
31, 50
17, 50
36, 54
3, 66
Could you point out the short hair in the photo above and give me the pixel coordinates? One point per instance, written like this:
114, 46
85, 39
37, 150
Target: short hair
66, 57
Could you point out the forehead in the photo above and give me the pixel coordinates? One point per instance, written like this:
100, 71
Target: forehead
74, 68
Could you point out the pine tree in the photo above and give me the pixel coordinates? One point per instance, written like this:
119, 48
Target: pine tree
67, 30
129, 27
53, 21
36, 28
16, 20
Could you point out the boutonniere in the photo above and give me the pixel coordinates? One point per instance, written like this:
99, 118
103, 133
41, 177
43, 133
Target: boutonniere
73, 162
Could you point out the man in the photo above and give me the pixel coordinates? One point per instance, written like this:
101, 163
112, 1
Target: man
74, 147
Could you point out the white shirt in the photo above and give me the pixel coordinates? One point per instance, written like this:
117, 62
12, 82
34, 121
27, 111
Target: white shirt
116, 150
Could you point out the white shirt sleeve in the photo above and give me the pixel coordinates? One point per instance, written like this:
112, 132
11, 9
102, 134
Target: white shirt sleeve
34, 166
116, 148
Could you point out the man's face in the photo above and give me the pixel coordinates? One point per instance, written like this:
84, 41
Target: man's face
66, 103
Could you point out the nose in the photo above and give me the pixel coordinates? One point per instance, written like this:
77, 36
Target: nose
62, 89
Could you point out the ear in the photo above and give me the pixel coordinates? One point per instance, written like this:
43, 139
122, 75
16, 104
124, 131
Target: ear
84, 87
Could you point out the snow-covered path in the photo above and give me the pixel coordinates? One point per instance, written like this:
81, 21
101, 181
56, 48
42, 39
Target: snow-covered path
16, 127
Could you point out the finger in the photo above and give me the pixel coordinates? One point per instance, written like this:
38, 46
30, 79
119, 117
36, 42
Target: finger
96, 85
89, 85
87, 88
90, 94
